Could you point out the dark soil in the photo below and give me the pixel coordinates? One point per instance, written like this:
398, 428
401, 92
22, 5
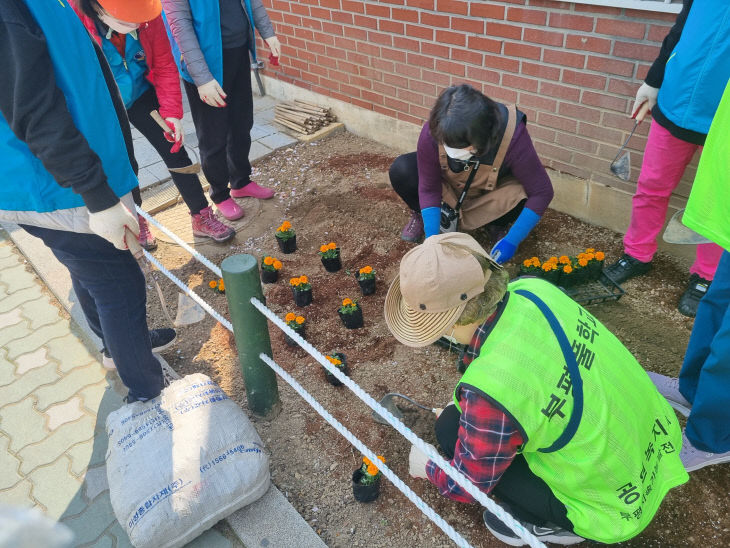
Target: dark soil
337, 190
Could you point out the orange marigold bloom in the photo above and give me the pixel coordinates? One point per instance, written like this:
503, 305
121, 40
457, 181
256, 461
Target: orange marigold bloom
583, 261
547, 267
277, 264
590, 250
290, 317
268, 261
299, 320
381, 458
221, 285
589, 256
564, 259
335, 361
366, 270
526, 263
323, 248
535, 261
294, 281
347, 302
600, 255
212, 284
372, 469
286, 225
303, 279
365, 460
553, 260
567, 269
332, 245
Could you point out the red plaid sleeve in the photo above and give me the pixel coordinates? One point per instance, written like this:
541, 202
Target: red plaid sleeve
487, 443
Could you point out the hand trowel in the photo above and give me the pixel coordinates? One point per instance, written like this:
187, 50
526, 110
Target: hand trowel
389, 404
621, 165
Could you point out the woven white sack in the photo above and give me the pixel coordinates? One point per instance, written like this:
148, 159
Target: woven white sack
181, 462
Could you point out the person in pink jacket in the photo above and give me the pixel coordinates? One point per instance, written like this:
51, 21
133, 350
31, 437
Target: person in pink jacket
146, 75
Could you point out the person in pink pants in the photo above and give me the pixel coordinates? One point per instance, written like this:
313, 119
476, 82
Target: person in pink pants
683, 89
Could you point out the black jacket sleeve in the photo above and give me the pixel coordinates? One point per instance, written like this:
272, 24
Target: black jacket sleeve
36, 111
655, 76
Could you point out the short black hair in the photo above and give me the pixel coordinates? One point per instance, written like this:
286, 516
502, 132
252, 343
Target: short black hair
90, 8
464, 117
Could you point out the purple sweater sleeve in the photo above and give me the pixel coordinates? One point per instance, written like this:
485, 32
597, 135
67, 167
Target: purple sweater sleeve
521, 161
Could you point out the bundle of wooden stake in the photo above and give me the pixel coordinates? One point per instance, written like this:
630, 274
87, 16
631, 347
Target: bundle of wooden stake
302, 116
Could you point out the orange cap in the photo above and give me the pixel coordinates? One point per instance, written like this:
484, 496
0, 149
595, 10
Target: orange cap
132, 11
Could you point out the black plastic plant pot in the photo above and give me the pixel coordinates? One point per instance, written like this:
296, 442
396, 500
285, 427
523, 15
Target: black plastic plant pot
302, 298
287, 246
301, 332
353, 320
595, 268
567, 280
334, 381
580, 275
364, 493
367, 286
332, 265
552, 276
269, 276
529, 271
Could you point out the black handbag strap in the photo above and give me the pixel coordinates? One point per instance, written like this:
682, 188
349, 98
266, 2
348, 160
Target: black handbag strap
467, 185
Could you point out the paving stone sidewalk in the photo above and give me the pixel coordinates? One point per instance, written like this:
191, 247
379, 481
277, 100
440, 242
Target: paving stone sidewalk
54, 400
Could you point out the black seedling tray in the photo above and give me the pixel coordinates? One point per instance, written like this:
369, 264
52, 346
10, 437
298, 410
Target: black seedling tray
596, 291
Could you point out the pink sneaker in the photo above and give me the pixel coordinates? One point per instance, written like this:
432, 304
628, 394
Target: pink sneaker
230, 209
146, 239
206, 225
252, 190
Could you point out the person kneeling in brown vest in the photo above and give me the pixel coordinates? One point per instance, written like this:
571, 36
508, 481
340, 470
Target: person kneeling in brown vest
474, 165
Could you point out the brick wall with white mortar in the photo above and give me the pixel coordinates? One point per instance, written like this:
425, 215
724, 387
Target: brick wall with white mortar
572, 68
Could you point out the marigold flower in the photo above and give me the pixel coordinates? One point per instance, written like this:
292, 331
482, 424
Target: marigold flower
553, 260
526, 263
366, 270
277, 264
268, 261
299, 320
590, 250
332, 245
365, 460
372, 469
567, 269
323, 248
221, 285
303, 279
335, 361
589, 256
564, 259
535, 261
600, 255
286, 225
212, 284
547, 267
347, 302
582, 261
381, 458
290, 317
294, 281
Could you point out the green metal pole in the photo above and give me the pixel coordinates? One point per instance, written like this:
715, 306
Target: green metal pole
242, 281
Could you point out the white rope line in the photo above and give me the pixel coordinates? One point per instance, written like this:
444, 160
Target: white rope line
202, 258
365, 450
453, 473
406, 432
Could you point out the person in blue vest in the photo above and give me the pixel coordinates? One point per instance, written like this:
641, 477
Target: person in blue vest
682, 88
67, 172
211, 43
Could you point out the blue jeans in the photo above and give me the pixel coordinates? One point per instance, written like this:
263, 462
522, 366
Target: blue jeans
705, 376
111, 291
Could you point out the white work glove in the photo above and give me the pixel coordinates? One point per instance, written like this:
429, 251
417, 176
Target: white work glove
646, 94
274, 46
417, 461
116, 225
212, 94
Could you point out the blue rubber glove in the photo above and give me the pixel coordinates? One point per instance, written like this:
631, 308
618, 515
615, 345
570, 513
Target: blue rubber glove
505, 248
431, 220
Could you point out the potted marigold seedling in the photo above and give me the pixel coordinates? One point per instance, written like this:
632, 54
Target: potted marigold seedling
366, 279
330, 255
549, 271
366, 481
218, 285
270, 269
530, 267
298, 324
595, 263
286, 238
340, 362
302, 290
351, 314
567, 279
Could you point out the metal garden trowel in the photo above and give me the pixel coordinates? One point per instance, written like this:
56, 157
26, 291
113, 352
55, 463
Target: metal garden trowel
390, 405
677, 233
621, 165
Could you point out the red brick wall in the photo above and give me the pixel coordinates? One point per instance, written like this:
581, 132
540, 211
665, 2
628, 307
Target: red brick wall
574, 69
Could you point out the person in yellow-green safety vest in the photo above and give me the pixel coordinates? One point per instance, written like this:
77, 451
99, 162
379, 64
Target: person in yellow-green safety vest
547, 415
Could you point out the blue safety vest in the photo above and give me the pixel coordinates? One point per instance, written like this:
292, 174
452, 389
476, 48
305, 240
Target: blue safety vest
129, 71
27, 185
207, 26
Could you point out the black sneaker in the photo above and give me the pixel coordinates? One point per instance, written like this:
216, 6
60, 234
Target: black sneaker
626, 268
692, 296
161, 339
554, 534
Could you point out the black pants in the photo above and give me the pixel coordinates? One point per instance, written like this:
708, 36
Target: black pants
224, 133
187, 183
404, 178
529, 497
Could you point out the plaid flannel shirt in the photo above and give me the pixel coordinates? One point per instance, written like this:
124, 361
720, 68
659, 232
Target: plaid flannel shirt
488, 440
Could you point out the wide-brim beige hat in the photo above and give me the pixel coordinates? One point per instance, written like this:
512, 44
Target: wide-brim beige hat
436, 281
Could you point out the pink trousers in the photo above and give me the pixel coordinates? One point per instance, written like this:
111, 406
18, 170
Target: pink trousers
665, 159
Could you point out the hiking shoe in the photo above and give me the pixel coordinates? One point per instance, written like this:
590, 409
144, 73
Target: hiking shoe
554, 534
161, 339
690, 299
252, 190
694, 459
206, 225
626, 268
413, 231
145, 238
230, 209
669, 388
